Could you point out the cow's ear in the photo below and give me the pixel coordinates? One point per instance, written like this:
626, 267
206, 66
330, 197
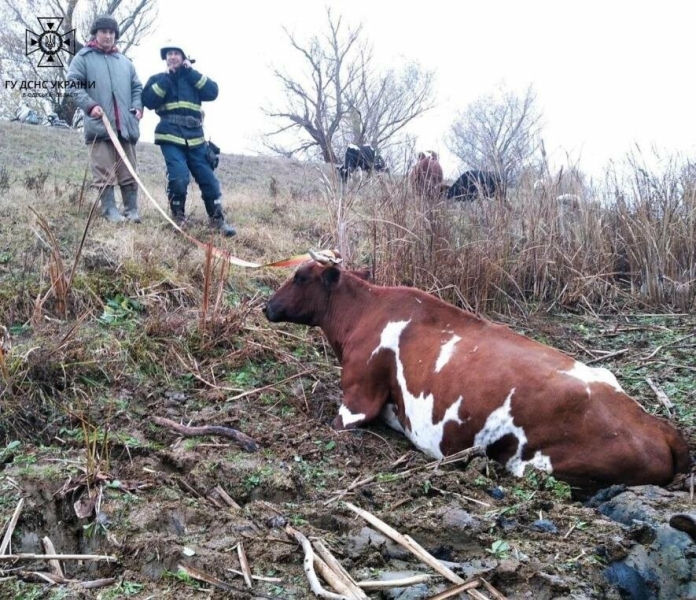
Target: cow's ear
363, 274
331, 276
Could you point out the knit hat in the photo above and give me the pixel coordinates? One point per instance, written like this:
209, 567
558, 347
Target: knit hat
170, 46
105, 22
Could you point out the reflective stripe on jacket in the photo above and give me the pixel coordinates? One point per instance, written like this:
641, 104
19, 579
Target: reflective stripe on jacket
180, 93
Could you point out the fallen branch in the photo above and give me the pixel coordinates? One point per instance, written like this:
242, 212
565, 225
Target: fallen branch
244, 564
660, 394
610, 355
226, 498
332, 579
11, 526
88, 557
97, 583
247, 443
309, 566
411, 545
337, 568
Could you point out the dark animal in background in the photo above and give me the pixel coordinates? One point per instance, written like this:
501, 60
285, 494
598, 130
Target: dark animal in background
449, 380
473, 184
426, 175
360, 157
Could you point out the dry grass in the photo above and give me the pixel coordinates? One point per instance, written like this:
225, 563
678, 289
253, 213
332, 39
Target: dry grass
93, 307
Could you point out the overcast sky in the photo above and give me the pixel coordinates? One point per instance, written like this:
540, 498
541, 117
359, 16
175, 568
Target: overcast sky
607, 74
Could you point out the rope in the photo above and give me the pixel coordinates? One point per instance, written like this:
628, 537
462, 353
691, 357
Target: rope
223, 254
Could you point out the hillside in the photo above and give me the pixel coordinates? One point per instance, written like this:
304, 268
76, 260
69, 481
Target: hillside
108, 336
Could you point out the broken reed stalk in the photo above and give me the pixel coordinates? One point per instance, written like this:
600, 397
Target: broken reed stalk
201, 576
49, 548
11, 527
338, 569
244, 563
207, 270
314, 583
394, 583
407, 542
88, 557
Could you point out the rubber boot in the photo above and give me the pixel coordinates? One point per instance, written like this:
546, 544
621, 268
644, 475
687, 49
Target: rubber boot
129, 194
177, 206
108, 205
217, 218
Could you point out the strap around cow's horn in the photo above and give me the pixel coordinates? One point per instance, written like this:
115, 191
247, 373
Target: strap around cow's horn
323, 257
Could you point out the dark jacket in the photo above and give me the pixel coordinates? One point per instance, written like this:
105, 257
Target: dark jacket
115, 85
179, 94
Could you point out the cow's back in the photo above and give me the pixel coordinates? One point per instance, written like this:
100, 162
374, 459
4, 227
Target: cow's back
457, 380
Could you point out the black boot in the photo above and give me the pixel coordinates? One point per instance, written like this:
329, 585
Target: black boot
217, 218
129, 194
178, 208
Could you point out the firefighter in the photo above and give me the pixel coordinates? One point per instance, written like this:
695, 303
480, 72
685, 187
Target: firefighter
176, 96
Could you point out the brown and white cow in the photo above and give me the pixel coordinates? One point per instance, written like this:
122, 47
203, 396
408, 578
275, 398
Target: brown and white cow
449, 380
426, 174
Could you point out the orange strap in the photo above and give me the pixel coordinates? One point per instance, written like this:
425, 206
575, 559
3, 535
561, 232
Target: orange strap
225, 255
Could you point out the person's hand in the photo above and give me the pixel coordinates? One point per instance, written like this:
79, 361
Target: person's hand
138, 114
186, 64
96, 112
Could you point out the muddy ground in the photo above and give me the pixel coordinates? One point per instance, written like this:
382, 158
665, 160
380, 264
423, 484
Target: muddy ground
156, 503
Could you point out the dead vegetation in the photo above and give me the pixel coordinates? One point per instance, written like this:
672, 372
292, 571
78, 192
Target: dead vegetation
110, 329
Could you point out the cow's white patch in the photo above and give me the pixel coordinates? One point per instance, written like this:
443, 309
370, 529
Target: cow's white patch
348, 417
446, 352
590, 375
500, 423
424, 434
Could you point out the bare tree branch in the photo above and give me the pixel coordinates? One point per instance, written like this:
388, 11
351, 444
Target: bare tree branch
136, 21
499, 132
341, 98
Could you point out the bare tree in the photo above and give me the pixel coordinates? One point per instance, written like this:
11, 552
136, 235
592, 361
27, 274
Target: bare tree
136, 20
498, 133
342, 98
383, 104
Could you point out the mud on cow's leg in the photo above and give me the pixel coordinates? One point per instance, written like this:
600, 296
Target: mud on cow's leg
357, 408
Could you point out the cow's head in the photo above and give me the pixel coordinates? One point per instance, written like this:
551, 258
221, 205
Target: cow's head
304, 298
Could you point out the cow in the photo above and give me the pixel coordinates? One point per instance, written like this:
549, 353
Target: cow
426, 175
360, 157
449, 380
472, 184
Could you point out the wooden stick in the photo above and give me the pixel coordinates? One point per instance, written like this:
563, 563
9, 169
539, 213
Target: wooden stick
49, 548
492, 591
394, 583
407, 543
209, 579
11, 527
661, 396
610, 355
337, 568
89, 557
333, 579
244, 563
247, 443
226, 498
455, 591
309, 566
258, 577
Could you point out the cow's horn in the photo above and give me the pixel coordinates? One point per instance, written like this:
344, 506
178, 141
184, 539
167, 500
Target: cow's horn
324, 258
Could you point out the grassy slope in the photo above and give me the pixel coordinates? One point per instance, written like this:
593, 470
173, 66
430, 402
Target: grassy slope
133, 344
